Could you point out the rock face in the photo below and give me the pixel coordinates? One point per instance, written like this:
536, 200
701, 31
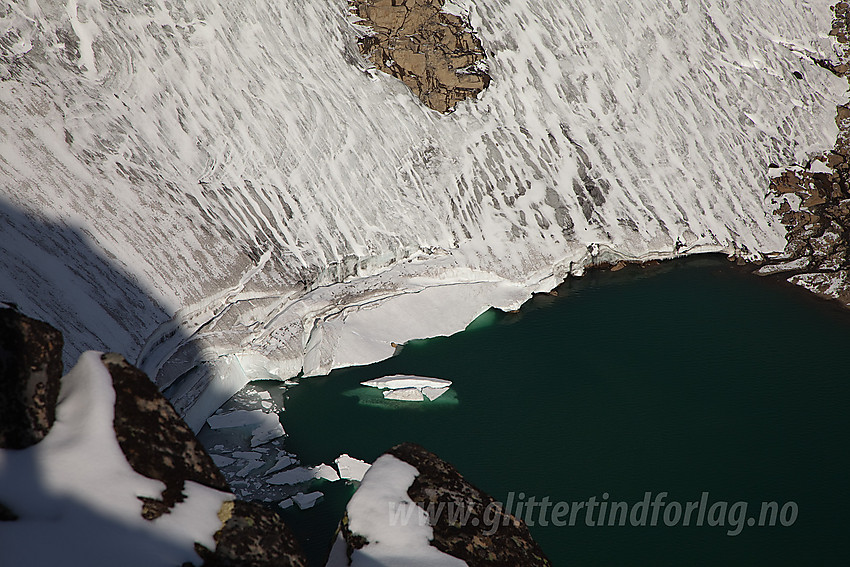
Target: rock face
30, 369
252, 536
157, 443
475, 541
432, 52
153, 438
814, 199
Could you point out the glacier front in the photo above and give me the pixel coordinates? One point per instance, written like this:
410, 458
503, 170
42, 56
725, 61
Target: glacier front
226, 191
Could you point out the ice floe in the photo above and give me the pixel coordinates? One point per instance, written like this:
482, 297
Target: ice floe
406, 387
264, 426
351, 468
308, 500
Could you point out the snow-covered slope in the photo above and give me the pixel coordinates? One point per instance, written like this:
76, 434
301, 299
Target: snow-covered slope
192, 180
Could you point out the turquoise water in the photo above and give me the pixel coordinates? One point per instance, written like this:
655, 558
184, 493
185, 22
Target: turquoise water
684, 378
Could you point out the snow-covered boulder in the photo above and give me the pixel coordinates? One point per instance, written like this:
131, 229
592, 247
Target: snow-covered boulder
119, 479
414, 485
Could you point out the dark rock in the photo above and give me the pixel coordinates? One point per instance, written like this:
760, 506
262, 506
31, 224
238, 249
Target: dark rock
252, 536
156, 441
817, 230
158, 444
489, 537
30, 369
438, 481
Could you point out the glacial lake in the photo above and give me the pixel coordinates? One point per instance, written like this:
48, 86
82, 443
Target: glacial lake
685, 378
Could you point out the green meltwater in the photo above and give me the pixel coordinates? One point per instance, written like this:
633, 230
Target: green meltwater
682, 414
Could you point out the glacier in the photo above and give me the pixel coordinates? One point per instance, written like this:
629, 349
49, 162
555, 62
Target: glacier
228, 191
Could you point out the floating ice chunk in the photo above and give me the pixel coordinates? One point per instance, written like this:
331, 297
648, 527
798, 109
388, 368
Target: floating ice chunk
284, 504
233, 419
268, 430
221, 460
399, 381
250, 455
252, 465
308, 500
405, 394
326, 472
434, 393
304, 474
282, 462
410, 388
292, 476
265, 426
265, 395
351, 468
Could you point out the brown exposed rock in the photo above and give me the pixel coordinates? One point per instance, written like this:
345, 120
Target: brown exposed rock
817, 230
252, 536
157, 443
30, 370
434, 53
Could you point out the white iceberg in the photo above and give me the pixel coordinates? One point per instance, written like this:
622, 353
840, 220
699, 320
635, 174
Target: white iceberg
399, 381
351, 468
407, 387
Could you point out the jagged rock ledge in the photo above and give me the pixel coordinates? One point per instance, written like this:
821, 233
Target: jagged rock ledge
433, 52
814, 200
409, 475
155, 442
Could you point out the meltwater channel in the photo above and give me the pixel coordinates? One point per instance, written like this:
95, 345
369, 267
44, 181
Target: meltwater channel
689, 377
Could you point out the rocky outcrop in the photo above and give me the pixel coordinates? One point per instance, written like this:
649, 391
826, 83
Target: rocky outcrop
252, 536
30, 369
159, 445
155, 441
434, 53
488, 536
814, 200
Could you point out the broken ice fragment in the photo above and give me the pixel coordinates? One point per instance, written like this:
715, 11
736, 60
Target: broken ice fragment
308, 500
221, 460
351, 468
434, 393
398, 381
406, 394
304, 474
282, 462
264, 426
